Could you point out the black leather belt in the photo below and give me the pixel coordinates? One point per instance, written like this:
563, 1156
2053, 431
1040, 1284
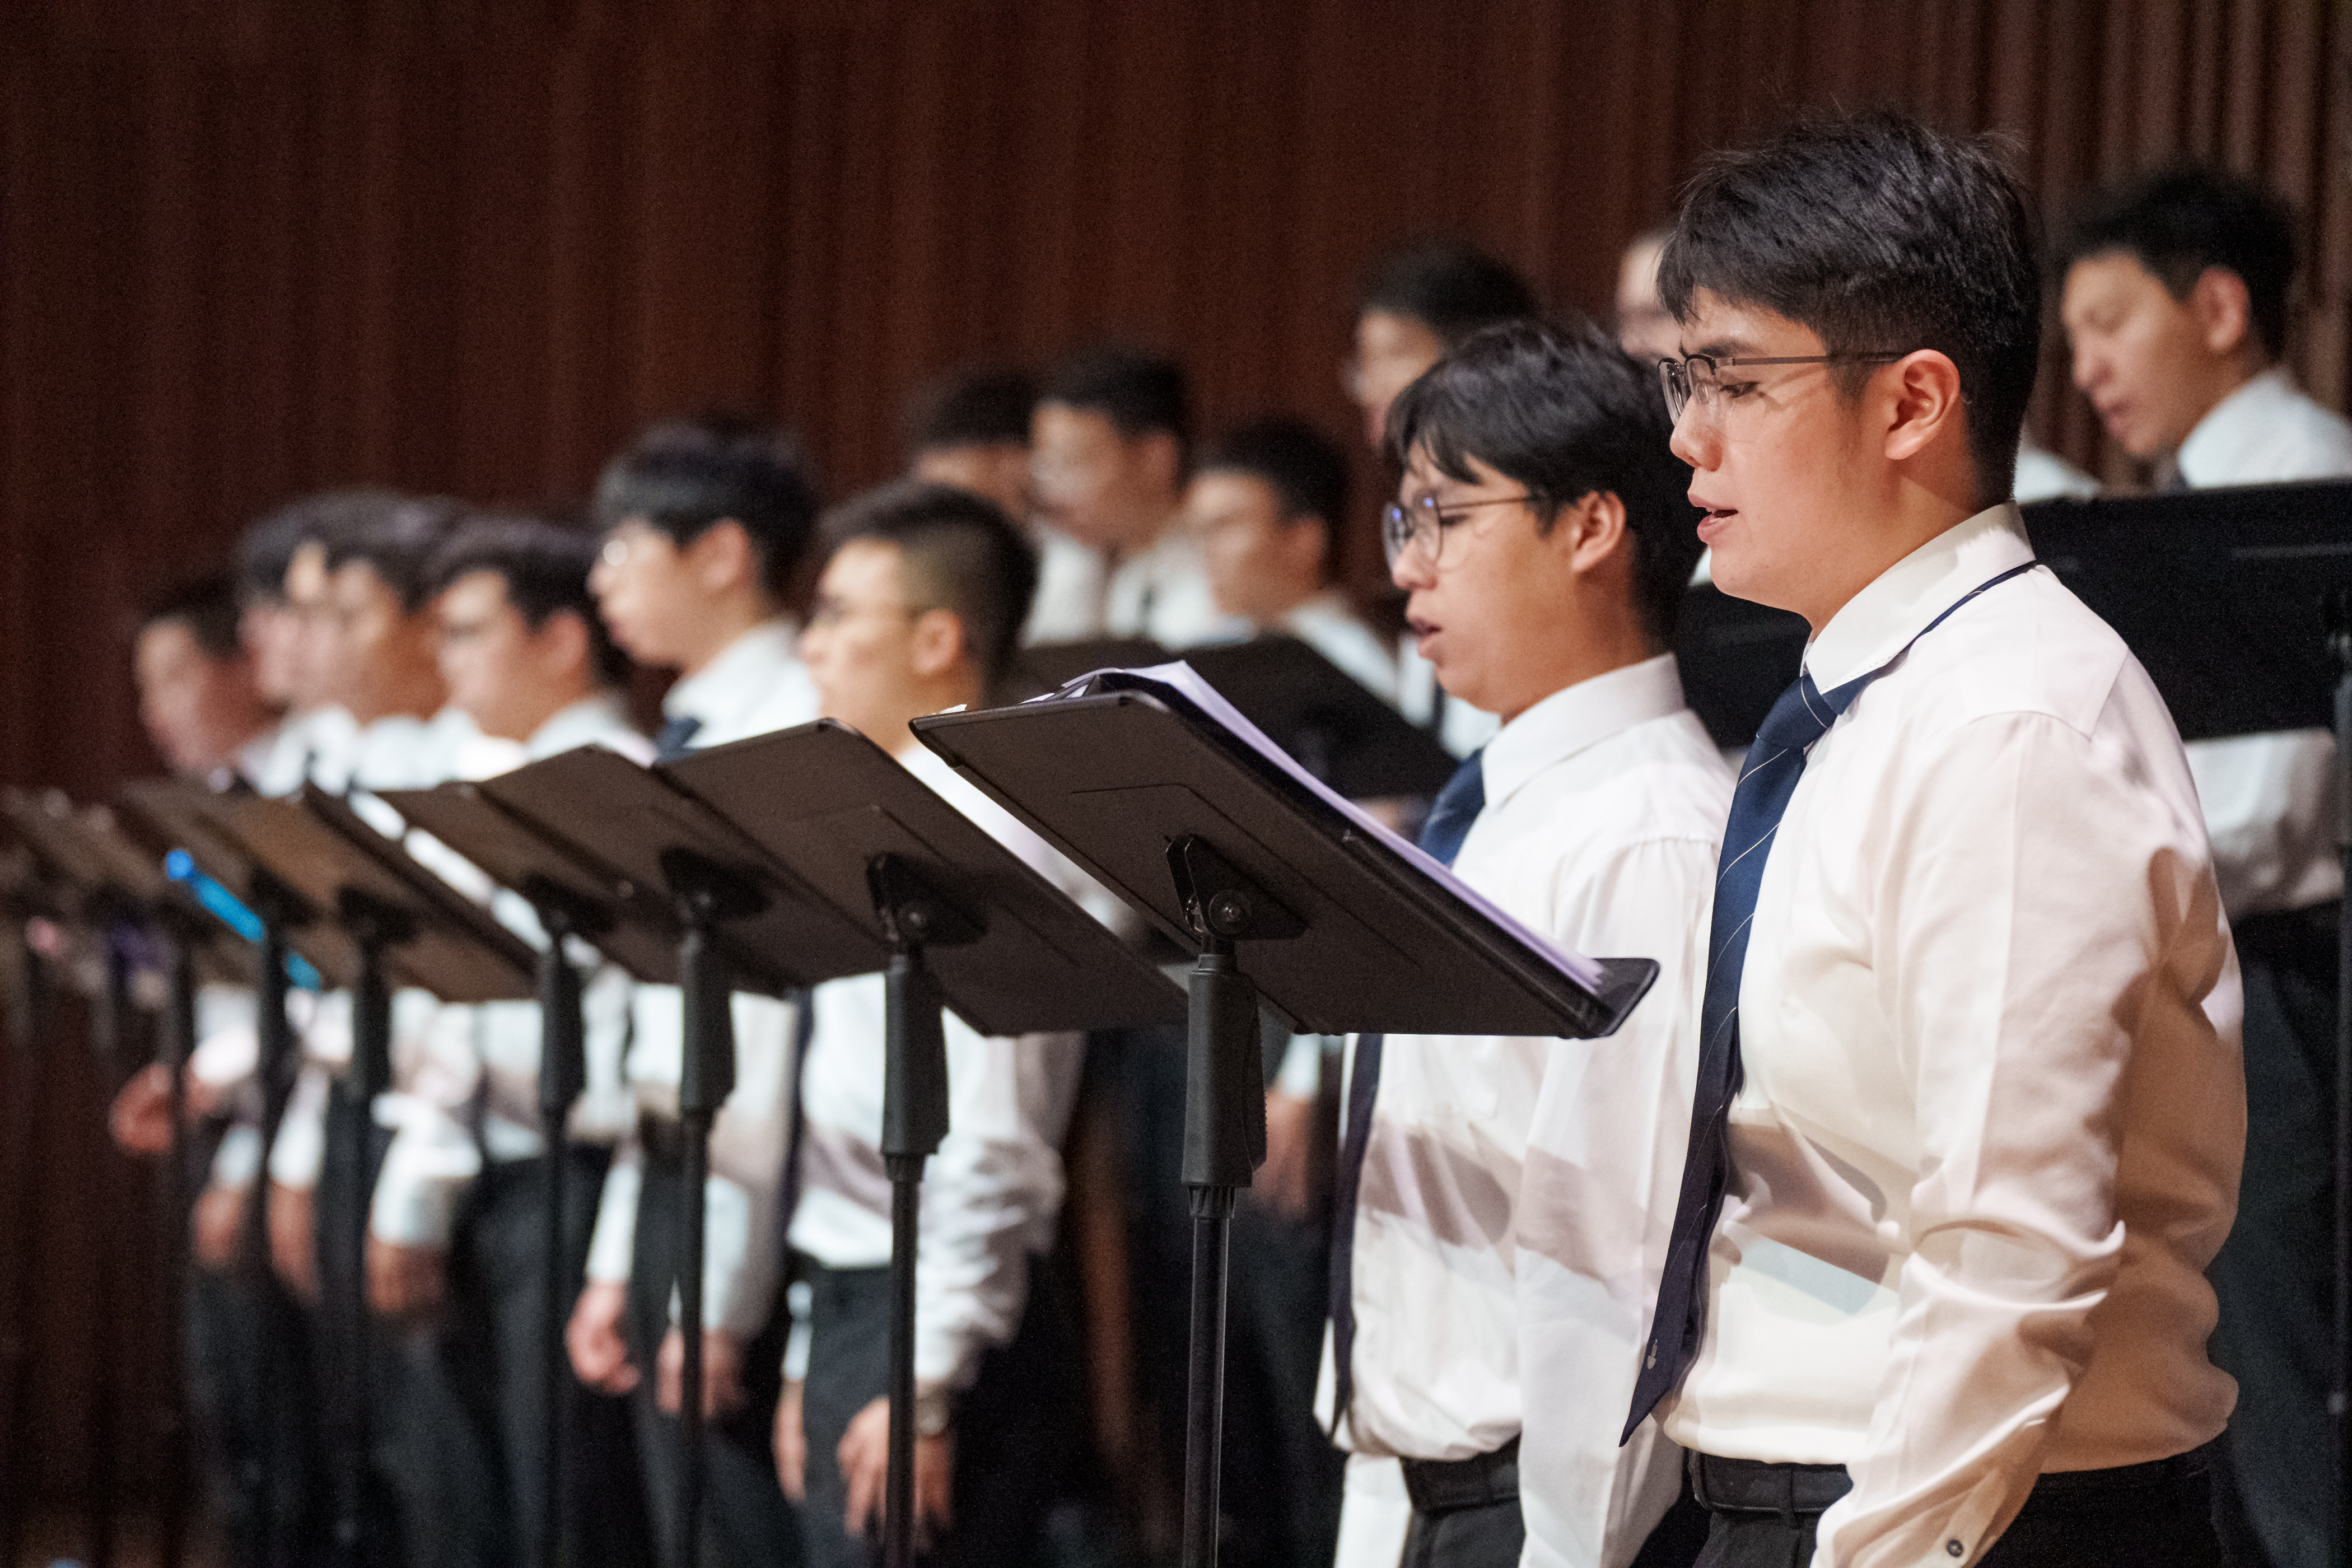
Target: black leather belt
1444, 1485
663, 1139
1751, 1486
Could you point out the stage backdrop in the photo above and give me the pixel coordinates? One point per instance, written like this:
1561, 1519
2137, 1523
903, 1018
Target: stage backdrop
251, 248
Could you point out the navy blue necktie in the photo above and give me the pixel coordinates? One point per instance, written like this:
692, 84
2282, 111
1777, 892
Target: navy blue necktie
1775, 763
675, 738
1450, 816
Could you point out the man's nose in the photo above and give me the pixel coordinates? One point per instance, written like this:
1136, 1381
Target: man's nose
1693, 440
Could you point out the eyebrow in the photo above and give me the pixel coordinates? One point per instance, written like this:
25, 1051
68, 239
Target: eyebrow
1723, 348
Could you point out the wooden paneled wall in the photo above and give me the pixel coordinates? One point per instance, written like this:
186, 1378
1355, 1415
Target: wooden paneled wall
253, 246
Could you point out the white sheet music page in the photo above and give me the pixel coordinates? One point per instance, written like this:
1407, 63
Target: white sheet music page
1185, 682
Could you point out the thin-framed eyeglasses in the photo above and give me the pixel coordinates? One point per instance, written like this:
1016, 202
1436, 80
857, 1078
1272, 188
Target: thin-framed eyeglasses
1699, 378
1421, 524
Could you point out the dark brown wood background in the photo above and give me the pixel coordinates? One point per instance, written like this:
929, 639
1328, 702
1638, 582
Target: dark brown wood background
249, 247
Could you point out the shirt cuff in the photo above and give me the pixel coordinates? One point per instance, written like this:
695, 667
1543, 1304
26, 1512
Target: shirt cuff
301, 1147
426, 1171
612, 1247
238, 1159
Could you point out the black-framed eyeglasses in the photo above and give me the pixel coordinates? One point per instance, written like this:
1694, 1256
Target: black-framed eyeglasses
1421, 524
1699, 378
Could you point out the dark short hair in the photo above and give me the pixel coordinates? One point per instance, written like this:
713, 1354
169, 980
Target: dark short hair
544, 567
683, 476
208, 607
986, 406
961, 553
1140, 391
2183, 218
1304, 466
1452, 290
1881, 234
264, 552
393, 536
1564, 412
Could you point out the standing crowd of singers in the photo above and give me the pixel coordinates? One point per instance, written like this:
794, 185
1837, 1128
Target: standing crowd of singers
1889, 1230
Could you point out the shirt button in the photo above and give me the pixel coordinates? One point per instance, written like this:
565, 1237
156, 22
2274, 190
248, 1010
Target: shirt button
1955, 1548
1889, 1234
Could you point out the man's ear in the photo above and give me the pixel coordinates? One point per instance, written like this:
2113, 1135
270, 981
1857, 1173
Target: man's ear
723, 556
1593, 530
2223, 309
1918, 397
1306, 544
938, 644
562, 642
1161, 458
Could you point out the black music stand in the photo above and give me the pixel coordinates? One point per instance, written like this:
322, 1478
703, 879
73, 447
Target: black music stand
742, 922
1218, 844
103, 922
125, 882
194, 820
2235, 601
637, 934
408, 928
966, 925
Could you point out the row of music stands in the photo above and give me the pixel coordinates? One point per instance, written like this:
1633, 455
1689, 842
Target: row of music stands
778, 863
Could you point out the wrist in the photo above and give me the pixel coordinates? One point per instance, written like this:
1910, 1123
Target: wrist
934, 1409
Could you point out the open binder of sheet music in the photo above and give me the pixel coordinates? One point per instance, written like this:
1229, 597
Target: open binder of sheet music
1181, 688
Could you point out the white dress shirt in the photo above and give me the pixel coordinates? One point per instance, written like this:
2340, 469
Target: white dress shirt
397, 751
1516, 1193
469, 1089
1330, 625
1993, 1108
991, 1192
2270, 800
756, 686
1160, 591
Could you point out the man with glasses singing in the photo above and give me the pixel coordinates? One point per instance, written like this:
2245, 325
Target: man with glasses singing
1502, 1201
1969, 1106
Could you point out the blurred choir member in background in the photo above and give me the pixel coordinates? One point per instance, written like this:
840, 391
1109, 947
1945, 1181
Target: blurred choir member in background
1267, 501
456, 1242
200, 684
199, 696
708, 523
1644, 328
1501, 1208
275, 631
1109, 443
1415, 305
2176, 304
970, 429
920, 609
432, 1476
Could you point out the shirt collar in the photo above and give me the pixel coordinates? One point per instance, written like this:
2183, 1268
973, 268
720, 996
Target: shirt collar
1576, 717
1326, 606
727, 688
586, 722
2213, 452
1879, 622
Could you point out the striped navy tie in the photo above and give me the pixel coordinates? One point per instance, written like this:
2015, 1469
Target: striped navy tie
1775, 763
